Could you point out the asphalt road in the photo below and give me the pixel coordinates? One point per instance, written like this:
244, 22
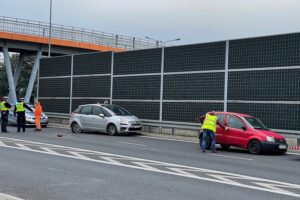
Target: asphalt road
94, 166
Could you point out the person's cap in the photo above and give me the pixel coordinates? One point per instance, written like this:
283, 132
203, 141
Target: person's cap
22, 99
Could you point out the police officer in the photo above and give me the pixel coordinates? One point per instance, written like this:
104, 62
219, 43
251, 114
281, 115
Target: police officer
20, 110
5, 107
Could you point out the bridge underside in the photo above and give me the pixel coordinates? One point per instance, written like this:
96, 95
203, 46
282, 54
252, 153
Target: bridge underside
37, 46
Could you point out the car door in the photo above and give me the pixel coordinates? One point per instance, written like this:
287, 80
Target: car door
236, 133
220, 131
86, 118
98, 122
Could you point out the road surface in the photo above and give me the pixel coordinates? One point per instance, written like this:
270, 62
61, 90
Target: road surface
93, 166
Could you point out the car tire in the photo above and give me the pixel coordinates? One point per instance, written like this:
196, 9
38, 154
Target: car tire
207, 142
254, 147
112, 130
225, 146
76, 128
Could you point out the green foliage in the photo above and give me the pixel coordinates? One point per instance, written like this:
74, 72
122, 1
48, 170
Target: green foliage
23, 79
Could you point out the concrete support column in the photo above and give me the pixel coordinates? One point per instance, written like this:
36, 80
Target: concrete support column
17, 72
18, 68
34, 71
10, 78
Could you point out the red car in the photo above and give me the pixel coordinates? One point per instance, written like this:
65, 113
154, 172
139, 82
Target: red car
247, 132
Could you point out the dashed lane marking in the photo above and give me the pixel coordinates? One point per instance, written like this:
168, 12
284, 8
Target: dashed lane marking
143, 145
234, 157
238, 180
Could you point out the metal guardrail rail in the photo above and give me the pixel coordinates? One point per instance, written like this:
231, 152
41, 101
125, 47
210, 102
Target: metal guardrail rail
41, 29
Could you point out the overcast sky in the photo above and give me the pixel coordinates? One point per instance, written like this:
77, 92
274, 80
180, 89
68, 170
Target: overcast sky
193, 21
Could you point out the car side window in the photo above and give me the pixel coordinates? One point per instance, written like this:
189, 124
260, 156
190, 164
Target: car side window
234, 122
106, 113
97, 110
86, 110
221, 118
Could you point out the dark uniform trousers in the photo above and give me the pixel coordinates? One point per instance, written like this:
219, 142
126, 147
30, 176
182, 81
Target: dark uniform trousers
4, 120
21, 120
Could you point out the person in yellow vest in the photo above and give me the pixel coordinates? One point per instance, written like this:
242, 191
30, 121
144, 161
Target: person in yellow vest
20, 110
5, 107
209, 127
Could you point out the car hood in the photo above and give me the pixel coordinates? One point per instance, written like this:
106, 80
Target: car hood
269, 133
129, 118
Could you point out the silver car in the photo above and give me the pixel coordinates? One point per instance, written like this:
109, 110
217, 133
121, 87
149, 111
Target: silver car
107, 118
29, 116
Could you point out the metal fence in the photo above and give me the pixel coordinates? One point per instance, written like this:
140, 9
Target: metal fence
41, 29
174, 85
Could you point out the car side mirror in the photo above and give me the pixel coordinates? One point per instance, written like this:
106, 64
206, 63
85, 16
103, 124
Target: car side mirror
244, 128
101, 115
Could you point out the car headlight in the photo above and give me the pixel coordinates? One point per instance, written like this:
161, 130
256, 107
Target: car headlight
270, 139
123, 121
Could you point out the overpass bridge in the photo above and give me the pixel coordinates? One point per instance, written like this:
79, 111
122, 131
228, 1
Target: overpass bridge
28, 38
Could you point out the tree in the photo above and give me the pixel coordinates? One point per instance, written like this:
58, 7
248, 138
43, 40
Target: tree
23, 79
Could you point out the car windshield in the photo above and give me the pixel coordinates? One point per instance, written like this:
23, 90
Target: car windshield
118, 110
256, 123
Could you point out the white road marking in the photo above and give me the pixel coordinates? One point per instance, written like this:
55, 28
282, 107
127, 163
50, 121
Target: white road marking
164, 168
143, 145
8, 197
49, 150
2, 144
22, 146
234, 157
79, 155
170, 139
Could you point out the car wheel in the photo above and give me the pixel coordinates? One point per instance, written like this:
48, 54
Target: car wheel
76, 128
112, 130
207, 142
254, 147
225, 146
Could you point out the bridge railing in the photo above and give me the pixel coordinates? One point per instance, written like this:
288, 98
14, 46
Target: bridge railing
41, 29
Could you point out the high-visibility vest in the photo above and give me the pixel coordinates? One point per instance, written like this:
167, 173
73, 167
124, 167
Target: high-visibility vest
20, 107
3, 107
210, 122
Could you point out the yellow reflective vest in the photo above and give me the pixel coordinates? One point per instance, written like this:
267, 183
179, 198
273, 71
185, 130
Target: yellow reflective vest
20, 107
3, 107
210, 122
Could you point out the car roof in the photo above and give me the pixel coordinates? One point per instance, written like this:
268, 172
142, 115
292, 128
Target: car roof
94, 104
233, 113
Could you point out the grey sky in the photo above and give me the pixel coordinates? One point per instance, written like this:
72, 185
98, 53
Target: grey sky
193, 21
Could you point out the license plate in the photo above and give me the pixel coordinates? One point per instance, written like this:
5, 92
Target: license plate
282, 146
